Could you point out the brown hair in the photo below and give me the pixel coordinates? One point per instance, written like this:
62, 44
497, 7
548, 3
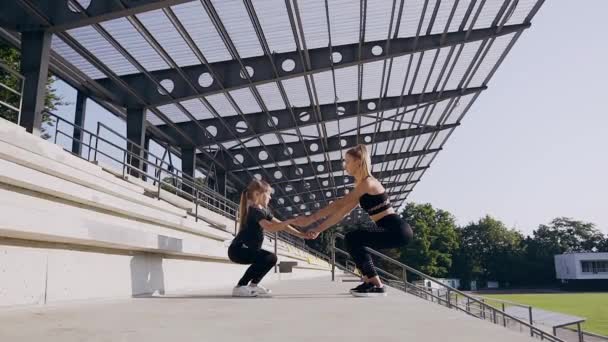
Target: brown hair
247, 195
360, 153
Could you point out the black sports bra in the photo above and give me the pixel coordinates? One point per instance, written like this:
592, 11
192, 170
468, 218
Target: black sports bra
374, 204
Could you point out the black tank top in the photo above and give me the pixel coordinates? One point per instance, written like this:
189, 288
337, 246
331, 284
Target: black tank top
374, 204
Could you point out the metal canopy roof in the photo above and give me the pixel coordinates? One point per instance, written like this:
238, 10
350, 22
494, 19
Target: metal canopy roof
279, 88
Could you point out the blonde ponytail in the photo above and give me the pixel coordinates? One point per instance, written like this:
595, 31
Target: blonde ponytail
242, 209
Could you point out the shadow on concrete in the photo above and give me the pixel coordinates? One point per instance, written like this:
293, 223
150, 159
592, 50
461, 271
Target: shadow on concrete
227, 296
147, 275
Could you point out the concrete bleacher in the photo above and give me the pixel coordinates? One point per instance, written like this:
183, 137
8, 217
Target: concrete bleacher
70, 230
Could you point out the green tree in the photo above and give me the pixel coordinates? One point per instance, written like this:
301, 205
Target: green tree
11, 58
561, 235
435, 239
489, 251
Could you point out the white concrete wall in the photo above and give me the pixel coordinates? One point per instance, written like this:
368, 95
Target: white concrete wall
37, 275
568, 266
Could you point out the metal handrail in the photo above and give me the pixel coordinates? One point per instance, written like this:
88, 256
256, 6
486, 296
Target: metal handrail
200, 194
200, 191
189, 179
16, 92
484, 308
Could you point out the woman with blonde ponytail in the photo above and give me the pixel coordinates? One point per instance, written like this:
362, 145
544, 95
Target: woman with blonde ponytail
392, 231
246, 248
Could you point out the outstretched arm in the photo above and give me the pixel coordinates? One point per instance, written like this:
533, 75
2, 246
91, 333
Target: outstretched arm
273, 225
291, 230
325, 212
336, 216
346, 205
336, 206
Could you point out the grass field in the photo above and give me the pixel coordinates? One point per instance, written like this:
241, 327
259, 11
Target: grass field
592, 306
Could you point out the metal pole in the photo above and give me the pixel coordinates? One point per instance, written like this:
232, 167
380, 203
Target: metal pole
160, 175
195, 203
580, 332
276, 237
404, 280
89, 148
447, 297
504, 320
96, 142
531, 321
483, 308
333, 257
124, 164
56, 130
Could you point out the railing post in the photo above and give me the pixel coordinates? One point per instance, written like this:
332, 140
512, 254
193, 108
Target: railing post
447, 296
468, 304
333, 257
160, 180
483, 308
531, 321
494, 315
504, 320
124, 164
96, 143
276, 238
56, 130
195, 203
89, 148
404, 280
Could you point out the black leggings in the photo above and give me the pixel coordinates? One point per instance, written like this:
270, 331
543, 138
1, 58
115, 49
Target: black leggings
395, 233
261, 262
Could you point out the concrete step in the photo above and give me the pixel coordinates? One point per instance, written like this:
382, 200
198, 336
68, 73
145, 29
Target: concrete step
6, 123
324, 311
11, 135
48, 166
24, 177
45, 219
213, 218
174, 199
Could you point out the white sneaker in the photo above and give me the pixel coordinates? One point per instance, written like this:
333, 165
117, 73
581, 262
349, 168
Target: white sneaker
243, 291
260, 290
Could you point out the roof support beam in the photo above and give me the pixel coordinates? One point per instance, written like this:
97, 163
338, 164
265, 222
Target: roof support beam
256, 124
299, 171
262, 71
64, 15
295, 150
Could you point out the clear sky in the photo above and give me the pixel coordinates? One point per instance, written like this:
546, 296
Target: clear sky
533, 147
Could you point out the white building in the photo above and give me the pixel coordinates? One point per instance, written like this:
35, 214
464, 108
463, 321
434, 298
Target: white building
452, 282
579, 268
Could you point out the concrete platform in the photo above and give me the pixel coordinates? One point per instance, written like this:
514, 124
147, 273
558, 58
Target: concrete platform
301, 310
